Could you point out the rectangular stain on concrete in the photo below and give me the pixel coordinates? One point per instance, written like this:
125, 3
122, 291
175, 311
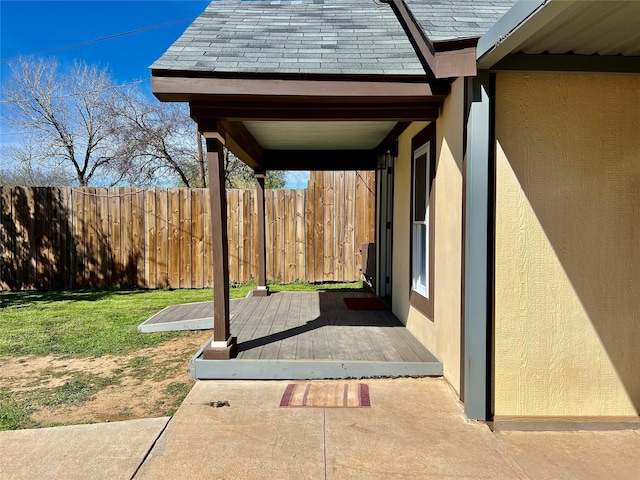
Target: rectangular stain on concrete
326, 395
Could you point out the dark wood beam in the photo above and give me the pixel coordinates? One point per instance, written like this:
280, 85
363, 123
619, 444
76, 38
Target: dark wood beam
234, 136
320, 159
243, 145
223, 345
392, 136
209, 124
180, 89
301, 112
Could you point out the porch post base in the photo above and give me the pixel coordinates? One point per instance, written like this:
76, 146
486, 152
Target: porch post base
260, 292
220, 351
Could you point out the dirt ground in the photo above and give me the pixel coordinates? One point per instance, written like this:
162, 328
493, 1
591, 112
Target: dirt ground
147, 383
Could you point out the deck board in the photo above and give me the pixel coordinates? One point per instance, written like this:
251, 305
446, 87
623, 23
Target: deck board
319, 326
310, 335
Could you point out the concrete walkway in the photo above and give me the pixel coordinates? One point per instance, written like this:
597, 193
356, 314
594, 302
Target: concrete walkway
98, 451
414, 429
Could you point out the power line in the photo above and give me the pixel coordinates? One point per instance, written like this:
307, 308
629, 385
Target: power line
88, 42
84, 92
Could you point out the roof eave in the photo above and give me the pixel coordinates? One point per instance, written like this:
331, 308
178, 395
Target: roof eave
180, 86
517, 25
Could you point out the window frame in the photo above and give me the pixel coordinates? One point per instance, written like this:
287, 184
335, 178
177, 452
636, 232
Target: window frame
426, 136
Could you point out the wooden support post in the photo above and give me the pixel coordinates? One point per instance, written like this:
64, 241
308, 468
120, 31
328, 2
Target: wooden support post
262, 290
223, 345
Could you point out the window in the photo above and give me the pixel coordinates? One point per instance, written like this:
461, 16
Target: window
421, 191
422, 220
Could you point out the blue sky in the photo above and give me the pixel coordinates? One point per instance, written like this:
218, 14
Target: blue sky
28, 27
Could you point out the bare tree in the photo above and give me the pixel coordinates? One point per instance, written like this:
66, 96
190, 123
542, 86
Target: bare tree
239, 175
65, 116
156, 141
29, 175
79, 127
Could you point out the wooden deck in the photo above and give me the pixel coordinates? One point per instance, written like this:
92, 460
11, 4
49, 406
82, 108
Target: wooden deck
187, 316
303, 335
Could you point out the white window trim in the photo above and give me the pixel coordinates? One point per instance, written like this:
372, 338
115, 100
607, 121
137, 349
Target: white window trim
422, 289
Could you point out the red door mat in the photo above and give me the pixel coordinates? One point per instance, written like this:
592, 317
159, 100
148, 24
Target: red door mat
326, 395
364, 303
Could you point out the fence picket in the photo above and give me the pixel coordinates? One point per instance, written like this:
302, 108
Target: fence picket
232, 231
329, 220
197, 240
318, 232
139, 229
185, 238
162, 228
174, 238
253, 212
339, 215
300, 242
207, 257
269, 199
7, 238
290, 235
309, 222
155, 238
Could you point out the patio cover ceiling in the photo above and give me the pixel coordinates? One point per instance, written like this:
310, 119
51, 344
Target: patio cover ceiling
316, 122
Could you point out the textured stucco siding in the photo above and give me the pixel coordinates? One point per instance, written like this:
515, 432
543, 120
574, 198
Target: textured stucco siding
567, 276
442, 334
401, 282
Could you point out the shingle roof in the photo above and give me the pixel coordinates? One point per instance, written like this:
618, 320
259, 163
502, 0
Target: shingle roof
456, 19
331, 36
319, 36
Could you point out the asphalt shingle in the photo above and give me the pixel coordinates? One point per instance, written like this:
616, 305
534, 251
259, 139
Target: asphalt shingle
456, 19
320, 36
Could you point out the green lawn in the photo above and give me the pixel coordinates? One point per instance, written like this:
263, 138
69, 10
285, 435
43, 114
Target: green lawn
99, 322
87, 324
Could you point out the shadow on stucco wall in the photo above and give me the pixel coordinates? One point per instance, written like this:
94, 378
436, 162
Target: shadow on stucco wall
574, 167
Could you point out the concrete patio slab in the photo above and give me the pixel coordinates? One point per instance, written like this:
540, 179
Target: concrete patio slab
415, 428
252, 438
107, 451
584, 455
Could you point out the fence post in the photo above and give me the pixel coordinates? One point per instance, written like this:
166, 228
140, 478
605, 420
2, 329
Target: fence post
262, 289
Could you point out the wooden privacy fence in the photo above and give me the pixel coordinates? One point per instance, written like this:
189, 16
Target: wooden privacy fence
64, 238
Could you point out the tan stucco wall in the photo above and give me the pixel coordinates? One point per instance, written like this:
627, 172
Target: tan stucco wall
441, 335
567, 278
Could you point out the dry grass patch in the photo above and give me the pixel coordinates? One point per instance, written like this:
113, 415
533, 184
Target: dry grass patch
58, 390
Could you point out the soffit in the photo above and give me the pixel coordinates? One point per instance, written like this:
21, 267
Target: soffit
314, 135
590, 28
586, 28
